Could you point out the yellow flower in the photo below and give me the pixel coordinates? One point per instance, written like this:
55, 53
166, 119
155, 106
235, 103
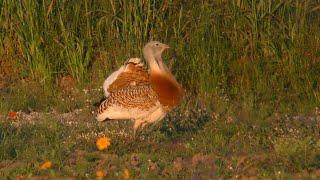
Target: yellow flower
13, 115
126, 174
100, 174
21, 178
103, 143
46, 165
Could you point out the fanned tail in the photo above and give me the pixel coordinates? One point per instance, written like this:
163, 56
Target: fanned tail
101, 115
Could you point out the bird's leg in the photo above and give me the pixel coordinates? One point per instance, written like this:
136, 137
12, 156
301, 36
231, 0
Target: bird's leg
143, 124
134, 133
136, 126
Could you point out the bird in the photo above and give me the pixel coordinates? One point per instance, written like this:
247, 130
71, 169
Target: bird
143, 95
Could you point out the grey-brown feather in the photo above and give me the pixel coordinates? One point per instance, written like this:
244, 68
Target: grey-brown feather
142, 97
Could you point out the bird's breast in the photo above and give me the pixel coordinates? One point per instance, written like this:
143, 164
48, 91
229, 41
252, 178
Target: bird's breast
166, 87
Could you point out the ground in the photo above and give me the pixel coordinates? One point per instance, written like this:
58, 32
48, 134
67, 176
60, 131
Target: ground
190, 142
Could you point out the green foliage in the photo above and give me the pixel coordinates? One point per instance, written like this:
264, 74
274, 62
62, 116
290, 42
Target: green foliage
250, 51
298, 153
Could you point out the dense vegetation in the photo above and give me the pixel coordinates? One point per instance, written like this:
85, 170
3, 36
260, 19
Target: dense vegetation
250, 69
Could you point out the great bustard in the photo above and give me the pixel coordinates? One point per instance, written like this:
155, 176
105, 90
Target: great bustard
144, 96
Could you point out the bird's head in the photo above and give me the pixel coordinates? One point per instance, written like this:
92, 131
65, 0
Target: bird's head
154, 49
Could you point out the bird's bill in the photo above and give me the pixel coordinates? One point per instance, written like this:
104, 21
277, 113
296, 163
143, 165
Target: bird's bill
166, 46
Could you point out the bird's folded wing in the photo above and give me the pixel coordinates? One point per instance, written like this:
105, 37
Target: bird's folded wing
133, 73
128, 103
140, 97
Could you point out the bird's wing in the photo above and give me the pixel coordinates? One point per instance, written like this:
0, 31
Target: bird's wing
132, 73
129, 93
132, 102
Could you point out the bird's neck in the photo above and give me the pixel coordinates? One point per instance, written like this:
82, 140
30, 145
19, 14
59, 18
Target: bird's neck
164, 68
165, 85
167, 88
156, 65
153, 64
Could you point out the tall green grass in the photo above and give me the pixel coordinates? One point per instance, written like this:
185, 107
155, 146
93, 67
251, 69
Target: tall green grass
250, 51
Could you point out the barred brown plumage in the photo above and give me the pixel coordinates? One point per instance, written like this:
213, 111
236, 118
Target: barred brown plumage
144, 96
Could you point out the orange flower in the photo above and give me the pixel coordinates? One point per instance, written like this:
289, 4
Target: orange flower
103, 143
21, 178
12, 115
46, 165
126, 174
100, 174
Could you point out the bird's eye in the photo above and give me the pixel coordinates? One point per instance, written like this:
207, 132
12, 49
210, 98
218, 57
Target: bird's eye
157, 44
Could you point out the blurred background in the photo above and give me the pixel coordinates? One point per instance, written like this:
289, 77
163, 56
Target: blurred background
252, 53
